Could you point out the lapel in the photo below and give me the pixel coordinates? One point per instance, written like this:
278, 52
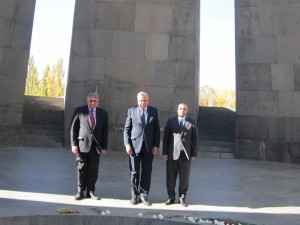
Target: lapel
137, 114
148, 115
97, 116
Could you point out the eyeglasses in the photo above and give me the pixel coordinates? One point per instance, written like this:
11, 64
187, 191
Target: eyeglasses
93, 100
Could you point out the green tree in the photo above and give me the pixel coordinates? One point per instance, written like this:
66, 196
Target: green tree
58, 78
50, 84
32, 82
44, 81
207, 96
217, 98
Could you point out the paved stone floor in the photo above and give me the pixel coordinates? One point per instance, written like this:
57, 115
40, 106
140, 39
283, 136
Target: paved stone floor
40, 180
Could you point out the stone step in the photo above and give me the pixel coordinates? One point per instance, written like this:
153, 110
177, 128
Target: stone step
59, 133
36, 117
44, 102
217, 143
57, 127
222, 155
43, 122
217, 149
42, 141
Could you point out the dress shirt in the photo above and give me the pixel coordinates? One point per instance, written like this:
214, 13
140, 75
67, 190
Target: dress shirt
94, 112
181, 119
145, 114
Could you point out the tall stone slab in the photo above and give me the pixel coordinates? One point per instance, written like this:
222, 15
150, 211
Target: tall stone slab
16, 19
120, 47
268, 80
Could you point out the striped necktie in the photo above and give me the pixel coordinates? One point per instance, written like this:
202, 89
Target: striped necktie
92, 118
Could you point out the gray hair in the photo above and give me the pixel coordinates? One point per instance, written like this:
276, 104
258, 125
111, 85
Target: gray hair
92, 94
142, 93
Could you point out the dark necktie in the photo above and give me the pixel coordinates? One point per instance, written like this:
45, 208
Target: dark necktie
92, 118
143, 118
181, 123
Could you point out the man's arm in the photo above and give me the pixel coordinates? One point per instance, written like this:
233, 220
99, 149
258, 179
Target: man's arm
127, 129
74, 131
166, 140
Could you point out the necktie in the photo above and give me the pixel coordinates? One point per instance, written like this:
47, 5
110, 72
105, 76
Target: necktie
181, 123
92, 118
143, 118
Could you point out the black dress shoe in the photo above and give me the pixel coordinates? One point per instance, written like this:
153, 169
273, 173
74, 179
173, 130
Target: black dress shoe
93, 196
133, 201
145, 201
182, 202
78, 196
170, 201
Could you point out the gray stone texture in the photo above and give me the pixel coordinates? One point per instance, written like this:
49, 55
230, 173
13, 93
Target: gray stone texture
16, 19
267, 78
124, 46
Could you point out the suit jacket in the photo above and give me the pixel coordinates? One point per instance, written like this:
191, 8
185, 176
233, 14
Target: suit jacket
135, 133
174, 135
82, 134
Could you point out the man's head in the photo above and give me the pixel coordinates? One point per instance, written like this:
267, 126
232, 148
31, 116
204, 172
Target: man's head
92, 100
143, 99
182, 109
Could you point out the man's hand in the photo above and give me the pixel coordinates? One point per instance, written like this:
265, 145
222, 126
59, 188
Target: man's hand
194, 157
154, 150
129, 149
165, 157
103, 151
75, 150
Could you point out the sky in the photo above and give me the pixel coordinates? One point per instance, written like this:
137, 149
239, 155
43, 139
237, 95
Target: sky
52, 31
217, 45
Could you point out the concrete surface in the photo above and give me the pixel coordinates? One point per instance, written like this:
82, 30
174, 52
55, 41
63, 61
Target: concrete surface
34, 182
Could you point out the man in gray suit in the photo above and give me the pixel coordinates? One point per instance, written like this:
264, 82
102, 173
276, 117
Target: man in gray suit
89, 134
179, 148
141, 139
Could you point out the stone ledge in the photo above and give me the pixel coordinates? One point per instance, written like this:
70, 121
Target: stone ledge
87, 216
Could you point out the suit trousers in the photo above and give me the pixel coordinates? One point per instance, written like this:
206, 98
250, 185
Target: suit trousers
140, 165
87, 169
182, 167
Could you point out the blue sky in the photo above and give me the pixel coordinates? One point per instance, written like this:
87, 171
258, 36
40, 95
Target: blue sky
52, 32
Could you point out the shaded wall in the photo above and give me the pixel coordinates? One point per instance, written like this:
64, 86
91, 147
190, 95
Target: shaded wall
122, 47
16, 19
268, 80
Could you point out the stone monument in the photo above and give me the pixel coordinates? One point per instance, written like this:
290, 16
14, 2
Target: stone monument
122, 47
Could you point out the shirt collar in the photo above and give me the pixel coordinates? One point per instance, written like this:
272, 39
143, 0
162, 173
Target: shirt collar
181, 118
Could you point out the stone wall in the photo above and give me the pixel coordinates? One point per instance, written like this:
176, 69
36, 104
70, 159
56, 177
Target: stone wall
268, 80
16, 19
122, 47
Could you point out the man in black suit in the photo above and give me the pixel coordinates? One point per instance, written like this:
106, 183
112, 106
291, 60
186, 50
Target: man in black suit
179, 148
89, 134
141, 139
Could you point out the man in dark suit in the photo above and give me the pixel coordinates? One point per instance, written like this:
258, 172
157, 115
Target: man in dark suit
141, 139
179, 148
89, 134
